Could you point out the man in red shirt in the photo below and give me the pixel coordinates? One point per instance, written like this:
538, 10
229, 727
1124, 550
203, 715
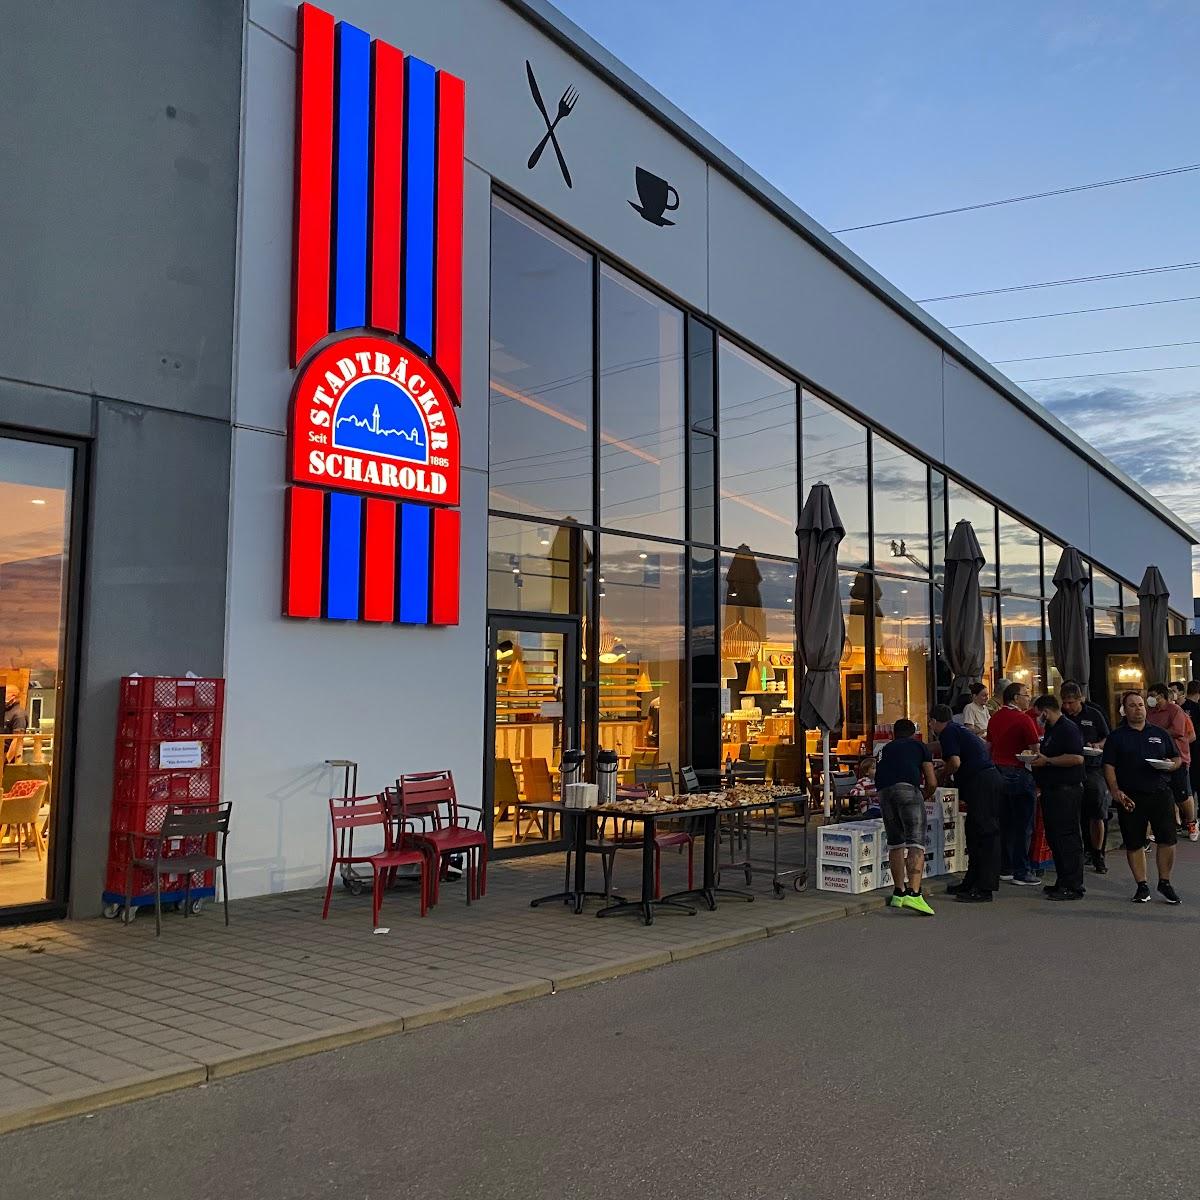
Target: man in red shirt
1012, 731
1163, 712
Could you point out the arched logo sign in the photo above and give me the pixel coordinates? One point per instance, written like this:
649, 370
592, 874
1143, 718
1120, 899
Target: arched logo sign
372, 522
372, 415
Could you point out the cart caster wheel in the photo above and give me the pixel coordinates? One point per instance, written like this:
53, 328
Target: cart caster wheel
197, 905
130, 913
749, 876
111, 911
801, 883
354, 887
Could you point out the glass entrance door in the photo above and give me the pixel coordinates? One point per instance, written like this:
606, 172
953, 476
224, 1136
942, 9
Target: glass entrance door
36, 486
532, 707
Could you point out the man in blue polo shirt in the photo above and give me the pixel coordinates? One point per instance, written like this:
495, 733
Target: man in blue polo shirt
1143, 793
979, 785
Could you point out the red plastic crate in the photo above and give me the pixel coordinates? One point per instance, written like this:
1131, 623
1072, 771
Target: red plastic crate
145, 788
140, 757
167, 725
171, 692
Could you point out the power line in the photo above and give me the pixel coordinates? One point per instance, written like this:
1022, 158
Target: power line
1098, 374
1081, 187
1072, 312
1049, 283
1085, 353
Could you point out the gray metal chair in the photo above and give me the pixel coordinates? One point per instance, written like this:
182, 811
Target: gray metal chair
183, 822
689, 781
654, 775
751, 770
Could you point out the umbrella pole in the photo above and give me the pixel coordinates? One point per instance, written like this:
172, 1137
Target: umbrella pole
826, 790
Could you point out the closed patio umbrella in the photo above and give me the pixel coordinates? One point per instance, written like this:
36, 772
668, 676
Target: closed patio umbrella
822, 625
1152, 628
962, 609
1067, 613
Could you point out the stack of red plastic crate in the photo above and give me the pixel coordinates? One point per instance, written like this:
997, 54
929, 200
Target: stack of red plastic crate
161, 721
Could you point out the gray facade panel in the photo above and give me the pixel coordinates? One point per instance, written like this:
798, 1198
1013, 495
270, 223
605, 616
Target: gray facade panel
774, 289
997, 448
1126, 538
154, 590
120, 199
45, 409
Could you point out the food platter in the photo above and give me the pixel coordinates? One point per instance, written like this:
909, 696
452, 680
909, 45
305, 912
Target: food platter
1161, 764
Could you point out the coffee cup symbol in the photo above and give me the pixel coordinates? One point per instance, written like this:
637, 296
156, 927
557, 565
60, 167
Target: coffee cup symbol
657, 196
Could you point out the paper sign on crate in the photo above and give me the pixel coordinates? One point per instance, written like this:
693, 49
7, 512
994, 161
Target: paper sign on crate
179, 756
836, 877
850, 843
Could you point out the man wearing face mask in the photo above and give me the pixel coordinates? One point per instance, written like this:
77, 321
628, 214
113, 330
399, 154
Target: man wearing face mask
1163, 713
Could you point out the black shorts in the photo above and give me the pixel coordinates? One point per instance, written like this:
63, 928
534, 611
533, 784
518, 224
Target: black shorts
1156, 809
1095, 797
903, 809
1180, 784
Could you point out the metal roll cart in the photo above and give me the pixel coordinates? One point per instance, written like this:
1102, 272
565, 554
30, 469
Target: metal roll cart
782, 873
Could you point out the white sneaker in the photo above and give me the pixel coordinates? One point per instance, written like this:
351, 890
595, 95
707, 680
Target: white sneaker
1007, 878
1193, 831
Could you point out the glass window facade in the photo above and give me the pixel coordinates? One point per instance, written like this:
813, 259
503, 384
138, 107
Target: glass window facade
900, 503
541, 371
757, 412
678, 558
642, 434
835, 452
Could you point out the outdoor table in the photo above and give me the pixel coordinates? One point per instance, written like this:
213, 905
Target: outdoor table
576, 893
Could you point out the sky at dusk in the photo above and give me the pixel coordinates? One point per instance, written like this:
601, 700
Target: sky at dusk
868, 111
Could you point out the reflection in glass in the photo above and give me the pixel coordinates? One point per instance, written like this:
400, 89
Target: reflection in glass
860, 597
965, 505
641, 635
701, 376
835, 452
937, 507
1020, 557
902, 652
35, 508
758, 667
1106, 604
704, 488
641, 409
758, 454
541, 371
705, 660
900, 495
1023, 642
1051, 553
537, 568
1054, 677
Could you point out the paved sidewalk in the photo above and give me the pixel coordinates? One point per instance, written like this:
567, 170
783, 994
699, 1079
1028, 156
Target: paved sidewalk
92, 1013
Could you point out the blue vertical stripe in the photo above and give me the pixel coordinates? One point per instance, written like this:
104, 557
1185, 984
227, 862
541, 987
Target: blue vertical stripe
414, 564
351, 139
420, 114
344, 566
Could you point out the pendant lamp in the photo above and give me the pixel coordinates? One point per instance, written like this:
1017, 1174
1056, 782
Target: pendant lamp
644, 684
516, 677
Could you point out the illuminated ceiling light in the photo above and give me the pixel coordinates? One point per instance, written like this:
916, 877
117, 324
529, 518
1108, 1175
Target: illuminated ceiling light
739, 642
641, 554
543, 535
39, 502
643, 684
516, 676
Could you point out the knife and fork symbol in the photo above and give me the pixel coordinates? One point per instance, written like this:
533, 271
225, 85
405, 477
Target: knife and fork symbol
565, 104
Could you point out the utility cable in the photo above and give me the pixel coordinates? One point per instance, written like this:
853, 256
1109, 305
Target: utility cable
1086, 353
1049, 283
1098, 374
1072, 312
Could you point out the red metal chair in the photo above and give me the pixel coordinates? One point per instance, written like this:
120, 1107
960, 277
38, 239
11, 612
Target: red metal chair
359, 812
429, 802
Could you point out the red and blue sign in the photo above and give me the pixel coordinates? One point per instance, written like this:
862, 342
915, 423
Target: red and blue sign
372, 513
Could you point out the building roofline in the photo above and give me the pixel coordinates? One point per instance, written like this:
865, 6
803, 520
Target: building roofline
635, 89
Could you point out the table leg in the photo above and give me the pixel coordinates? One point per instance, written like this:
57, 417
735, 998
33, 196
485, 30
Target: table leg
709, 891
647, 905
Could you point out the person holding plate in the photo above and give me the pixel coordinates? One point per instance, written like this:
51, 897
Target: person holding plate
1138, 759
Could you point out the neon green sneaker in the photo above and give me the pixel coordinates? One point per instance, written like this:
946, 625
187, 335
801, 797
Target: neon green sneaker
918, 903
895, 901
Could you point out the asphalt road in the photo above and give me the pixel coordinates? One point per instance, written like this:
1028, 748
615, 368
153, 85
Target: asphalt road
1018, 1049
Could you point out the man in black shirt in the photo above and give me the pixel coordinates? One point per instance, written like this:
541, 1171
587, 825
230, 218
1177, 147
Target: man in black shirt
905, 770
1143, 792
1058, 771
1093, 813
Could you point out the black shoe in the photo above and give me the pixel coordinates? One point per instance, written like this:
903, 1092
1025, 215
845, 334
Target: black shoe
1098, 863
1063, 894
954, 889
1142, 895
973, 897
1169, 894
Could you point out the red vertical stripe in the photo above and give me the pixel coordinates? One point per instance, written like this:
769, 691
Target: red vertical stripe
305, 553
447, 343
387, 154
314, 179
379, 567
446, 536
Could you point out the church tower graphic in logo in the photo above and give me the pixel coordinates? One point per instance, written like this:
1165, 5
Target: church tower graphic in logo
372, 516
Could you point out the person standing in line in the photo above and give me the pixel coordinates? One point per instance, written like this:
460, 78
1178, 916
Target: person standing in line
1164, 713
1143, 794
981, 788
977, 714
1191, 706
905, 779
1058, 770
1094, 811
1013, 731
